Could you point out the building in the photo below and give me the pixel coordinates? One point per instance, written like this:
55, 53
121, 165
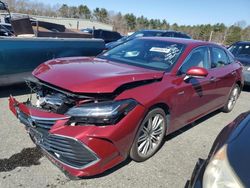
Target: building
74, 23
70, 23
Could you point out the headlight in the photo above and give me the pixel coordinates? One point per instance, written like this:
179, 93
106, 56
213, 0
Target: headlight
101, 113
248, 69
219, 173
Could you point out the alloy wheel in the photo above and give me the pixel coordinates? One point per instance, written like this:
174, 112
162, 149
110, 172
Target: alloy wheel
233, 98
151, 135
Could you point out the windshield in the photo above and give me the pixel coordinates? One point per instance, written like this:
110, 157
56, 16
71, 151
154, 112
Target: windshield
151, 54
240, 50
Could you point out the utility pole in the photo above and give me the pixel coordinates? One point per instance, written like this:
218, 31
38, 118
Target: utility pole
211, 34
225, 35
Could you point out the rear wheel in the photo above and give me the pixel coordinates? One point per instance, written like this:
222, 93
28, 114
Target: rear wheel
150, 135
232, 99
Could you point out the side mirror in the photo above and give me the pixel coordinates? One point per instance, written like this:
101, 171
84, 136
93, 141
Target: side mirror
196, 72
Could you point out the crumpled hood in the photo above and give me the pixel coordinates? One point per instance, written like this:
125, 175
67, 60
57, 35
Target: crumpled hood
91, 75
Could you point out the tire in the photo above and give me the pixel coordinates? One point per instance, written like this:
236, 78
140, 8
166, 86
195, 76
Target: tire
235, 92
150, 136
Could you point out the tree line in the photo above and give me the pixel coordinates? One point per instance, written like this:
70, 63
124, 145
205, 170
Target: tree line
125, 23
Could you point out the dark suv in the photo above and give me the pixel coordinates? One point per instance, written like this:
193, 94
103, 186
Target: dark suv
106, 35
241, 50
176, 34
147, 33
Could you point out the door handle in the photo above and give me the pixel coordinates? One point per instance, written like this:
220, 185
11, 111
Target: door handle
212, 79
181, 93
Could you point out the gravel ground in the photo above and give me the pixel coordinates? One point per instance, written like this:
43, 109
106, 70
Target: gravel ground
22, 165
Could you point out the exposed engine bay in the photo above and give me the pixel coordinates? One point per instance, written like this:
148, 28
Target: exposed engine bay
82, 109
56, 100
53, 99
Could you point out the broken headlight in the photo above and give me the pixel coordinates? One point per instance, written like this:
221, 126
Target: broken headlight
101, 113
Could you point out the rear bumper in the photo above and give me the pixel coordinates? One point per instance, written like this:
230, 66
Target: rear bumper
79, 150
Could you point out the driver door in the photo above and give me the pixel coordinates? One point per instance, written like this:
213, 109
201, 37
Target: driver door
193, 97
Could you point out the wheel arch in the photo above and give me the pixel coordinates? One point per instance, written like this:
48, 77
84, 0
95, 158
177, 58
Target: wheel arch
162, 105
166, 109
240, 84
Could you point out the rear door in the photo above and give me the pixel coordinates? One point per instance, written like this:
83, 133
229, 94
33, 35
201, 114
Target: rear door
222, 70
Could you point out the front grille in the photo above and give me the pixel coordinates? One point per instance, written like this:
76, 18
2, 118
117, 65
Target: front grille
69, 151
23, 118
45, 123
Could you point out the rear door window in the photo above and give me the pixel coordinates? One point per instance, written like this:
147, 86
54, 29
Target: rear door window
219, 58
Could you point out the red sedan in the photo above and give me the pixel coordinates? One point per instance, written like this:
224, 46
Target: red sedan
93, 113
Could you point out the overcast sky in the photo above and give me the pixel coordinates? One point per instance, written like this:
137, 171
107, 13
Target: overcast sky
188, 12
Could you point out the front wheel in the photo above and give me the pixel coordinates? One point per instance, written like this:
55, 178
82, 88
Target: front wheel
150, 135
232, 99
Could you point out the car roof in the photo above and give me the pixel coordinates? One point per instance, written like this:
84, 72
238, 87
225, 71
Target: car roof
172, 31
163, 31
151, 30
242, 42
179, 40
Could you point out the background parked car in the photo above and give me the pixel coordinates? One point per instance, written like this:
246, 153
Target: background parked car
106, 35
17, 62
147, 33
176, 34
228, 163
241, 50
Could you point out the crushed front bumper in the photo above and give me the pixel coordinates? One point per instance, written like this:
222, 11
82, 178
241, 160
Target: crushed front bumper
79, 150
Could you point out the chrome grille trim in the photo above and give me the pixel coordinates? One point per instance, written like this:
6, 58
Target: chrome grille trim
74, 153
34, 121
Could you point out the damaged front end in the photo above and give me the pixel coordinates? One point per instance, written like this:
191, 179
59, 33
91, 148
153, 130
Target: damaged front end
38, 118
38, 124
73, 129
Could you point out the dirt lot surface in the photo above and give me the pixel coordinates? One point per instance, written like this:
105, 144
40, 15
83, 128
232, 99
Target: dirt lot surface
22, 165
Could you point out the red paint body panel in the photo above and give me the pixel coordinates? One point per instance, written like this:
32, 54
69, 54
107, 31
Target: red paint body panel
185, 100
91, 75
